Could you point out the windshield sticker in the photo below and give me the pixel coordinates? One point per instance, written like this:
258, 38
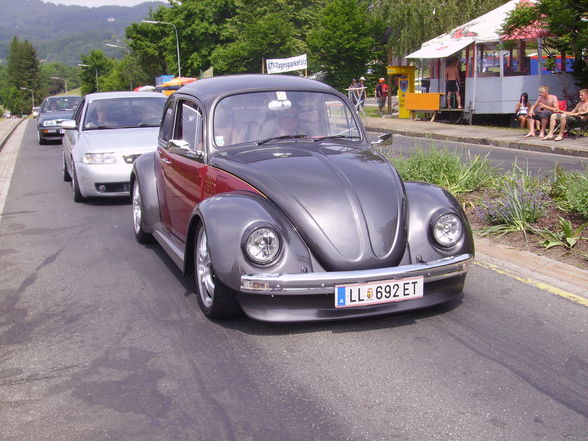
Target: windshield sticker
281, 96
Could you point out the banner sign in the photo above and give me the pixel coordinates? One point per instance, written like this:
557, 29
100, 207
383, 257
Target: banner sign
278, 65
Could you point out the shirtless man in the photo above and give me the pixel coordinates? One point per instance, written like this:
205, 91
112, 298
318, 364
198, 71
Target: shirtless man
541, 111
452, 84
579, 112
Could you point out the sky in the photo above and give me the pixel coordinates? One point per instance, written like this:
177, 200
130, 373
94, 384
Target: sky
96, 3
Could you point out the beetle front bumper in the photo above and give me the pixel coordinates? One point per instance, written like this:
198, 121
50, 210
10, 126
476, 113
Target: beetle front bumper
325, 282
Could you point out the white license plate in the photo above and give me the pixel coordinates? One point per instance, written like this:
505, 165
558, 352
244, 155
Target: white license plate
61, 131
362, 294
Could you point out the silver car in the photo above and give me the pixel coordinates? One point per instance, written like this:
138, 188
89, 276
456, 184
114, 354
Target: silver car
108, 132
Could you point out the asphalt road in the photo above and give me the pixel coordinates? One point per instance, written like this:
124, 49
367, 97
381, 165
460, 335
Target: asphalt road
101, 339
538, 163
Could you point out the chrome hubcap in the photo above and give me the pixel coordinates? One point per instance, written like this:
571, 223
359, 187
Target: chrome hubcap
136, 208
204, 270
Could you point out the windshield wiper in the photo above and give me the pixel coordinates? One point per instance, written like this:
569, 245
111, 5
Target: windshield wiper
277, 138
322, 138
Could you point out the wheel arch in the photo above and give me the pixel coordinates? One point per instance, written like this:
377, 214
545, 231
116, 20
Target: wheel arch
227, 218
143, 171
426, 202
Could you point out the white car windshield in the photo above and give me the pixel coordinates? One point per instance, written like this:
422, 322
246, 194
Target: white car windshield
123, 113
262, 117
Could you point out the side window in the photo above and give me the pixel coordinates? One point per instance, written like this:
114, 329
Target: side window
167, 124
189, 125
77, 116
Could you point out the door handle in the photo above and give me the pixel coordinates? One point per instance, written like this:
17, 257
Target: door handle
166, 161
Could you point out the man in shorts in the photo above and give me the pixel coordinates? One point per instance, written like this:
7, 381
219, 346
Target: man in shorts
541, 111
578, 114
452, 85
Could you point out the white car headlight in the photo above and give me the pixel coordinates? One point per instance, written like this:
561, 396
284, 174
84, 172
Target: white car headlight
447, 230
262, 245
99, 158
50, 122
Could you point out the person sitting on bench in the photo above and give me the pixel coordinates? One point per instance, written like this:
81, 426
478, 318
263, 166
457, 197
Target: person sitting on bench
577, 116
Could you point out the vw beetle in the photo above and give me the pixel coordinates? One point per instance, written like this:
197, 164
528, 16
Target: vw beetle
266, 188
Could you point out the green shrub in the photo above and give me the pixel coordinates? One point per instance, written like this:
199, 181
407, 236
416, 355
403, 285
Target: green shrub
570, 191
521, 201
448, 170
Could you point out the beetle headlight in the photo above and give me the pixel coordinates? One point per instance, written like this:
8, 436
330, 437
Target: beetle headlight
99, 158
262, 245
447, 230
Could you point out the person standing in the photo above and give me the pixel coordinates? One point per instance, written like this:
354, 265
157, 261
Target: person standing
361, 92
452, 76
541, 111
352, 92
380, 95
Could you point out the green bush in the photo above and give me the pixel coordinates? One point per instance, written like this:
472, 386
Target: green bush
448, 170
569, 190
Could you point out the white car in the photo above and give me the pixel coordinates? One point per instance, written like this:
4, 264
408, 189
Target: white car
109, 130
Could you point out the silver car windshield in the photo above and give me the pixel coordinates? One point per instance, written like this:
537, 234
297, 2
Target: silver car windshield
123, 113
262, 117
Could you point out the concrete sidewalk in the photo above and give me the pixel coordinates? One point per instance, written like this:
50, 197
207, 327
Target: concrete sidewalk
7, 126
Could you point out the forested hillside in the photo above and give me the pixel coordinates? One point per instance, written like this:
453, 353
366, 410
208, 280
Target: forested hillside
61, 33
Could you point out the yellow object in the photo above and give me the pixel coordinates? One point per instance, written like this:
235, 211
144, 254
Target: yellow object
423, 101
405, 86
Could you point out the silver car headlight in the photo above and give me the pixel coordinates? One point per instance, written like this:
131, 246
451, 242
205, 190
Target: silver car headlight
99, 158
50, 122
262, 245
447, 230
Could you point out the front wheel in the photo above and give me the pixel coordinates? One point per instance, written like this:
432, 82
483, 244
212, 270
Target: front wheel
78, 196
66, 175
215, 300
140, 234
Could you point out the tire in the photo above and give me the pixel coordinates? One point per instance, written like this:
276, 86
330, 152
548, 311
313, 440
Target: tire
78, 197
66, 175
42, 141
140, 235
215, 300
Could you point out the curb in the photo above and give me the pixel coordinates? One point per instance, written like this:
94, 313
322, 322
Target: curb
7, 136
548, 274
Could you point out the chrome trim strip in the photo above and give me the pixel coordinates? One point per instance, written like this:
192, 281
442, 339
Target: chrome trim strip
325, 282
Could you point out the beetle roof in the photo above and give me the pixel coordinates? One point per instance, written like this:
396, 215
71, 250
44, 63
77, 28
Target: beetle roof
211, 88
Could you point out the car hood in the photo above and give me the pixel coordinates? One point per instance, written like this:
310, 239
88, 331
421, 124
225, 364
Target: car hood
348, 204
139, 140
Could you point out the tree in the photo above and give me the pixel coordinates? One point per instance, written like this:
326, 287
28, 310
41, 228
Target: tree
565, 23
97, 65
342, 42
263, 29
21, 77
199, 24
412, 22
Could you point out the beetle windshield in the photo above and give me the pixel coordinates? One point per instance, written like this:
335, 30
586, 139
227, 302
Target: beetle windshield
292, 116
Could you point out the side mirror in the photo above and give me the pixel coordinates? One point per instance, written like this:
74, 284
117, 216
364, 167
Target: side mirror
383, 137
181, 147
68, 124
